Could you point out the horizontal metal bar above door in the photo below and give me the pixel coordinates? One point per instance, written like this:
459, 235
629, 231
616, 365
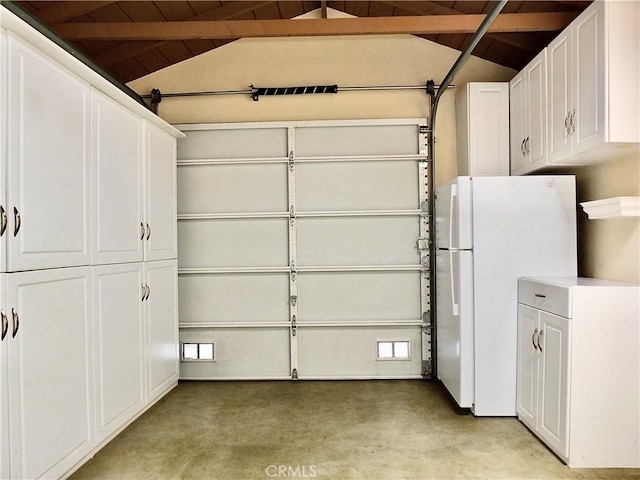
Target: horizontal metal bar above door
219, 271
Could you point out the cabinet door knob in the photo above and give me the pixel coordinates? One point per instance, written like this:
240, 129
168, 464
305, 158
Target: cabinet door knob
3, 220
148, 231
539, 335
16, 322
533, 339
5, 324
17, 221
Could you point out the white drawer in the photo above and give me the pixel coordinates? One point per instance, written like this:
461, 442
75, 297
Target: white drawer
549, 297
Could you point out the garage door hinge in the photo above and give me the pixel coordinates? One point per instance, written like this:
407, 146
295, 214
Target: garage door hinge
292, 212
294, 326
291, 160
426, 318
423, 129
294, 373
293, 299
423, 243
426, 368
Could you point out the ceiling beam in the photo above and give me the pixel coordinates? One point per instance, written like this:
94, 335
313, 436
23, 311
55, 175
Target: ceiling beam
116, 54
63, 11
323, 8
232, 29
517, 40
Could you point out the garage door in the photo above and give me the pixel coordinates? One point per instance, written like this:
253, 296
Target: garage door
303, 250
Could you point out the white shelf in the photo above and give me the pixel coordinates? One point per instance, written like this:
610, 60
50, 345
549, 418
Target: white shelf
612, 207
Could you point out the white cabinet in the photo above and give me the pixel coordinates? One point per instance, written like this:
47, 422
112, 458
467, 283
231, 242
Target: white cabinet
119, 345
161, 312
594, 79
50, 370
5, 337
117, 183
578, 377
161, 194
3, 151
482, 123
542, 375
528, 113
48, 162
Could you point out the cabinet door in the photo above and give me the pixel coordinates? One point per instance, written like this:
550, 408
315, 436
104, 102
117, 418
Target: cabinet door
527, 365
536, 73
119, 345
48, 162
559, 97
161, 313
553, 417
5, 335
161, 197
116, 151
518, 117
51, 371
588, 78
3, 152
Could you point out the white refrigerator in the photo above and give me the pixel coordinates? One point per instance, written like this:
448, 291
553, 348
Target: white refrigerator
489, 232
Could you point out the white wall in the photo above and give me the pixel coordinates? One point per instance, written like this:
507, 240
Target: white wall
345, 61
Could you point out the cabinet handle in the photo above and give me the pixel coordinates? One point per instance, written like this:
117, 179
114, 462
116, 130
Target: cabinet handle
539, 295
17, 221
522, 146
148, 291
527, 145
572, 125
141, 231
5, 324
16, 322
533, 337
539, 335
3, 221
144, 292
148, 231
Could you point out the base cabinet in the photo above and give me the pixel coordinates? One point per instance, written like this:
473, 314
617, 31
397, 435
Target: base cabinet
50, 371
578, 377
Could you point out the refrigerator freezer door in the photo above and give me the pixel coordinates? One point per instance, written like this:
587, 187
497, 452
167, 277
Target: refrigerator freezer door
454, 226
454, 303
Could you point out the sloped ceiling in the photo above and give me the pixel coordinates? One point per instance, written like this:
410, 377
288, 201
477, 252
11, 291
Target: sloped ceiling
130, 39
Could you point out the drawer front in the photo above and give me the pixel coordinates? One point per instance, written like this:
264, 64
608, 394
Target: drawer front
549, 297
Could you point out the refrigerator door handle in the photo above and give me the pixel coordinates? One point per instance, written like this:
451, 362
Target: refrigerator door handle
455, 306
452, 202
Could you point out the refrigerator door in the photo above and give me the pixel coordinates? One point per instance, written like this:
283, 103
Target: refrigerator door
454, 226
454, 332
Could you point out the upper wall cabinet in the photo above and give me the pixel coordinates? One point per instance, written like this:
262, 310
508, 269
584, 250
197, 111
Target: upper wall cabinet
48, 162
116, 149
482, 126
4, 220
528, 100
160, 225
594, 85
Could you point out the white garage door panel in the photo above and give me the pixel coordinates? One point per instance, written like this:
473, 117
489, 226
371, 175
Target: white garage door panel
358, 241
357, 140
240, 353
234, 144
233, 243
232, 188
358, 296
388, 185
234, 298
347, 352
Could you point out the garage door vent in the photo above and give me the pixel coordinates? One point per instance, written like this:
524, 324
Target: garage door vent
197, 352
393, 350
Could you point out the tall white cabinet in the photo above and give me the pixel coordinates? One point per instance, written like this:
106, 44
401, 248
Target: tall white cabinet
88, 297
578, 375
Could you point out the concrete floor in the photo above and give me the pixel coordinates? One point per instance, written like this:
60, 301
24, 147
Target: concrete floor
324, 430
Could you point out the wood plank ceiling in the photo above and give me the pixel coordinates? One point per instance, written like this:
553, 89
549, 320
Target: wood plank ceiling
130, 39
